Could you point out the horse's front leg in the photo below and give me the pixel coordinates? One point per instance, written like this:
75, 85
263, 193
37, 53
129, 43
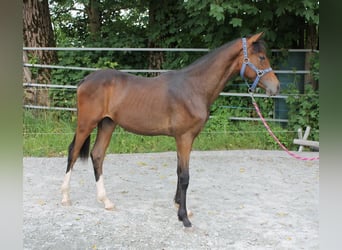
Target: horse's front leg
177, 197
184, 145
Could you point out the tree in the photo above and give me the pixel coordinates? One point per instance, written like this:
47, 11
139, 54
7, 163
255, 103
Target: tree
286, 22
289, 24
37, 32
178, 23
94, 22
155, 18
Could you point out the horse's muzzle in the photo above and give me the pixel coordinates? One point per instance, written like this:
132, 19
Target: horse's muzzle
273, 89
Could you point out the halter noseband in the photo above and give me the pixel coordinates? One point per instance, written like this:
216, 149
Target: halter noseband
259, 72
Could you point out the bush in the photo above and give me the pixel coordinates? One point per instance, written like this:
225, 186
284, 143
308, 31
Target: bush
304, 109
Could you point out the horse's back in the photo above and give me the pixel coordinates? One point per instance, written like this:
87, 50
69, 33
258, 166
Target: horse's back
104, 77
127, 99
156, 105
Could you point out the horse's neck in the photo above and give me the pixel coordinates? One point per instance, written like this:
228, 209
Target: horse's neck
210, 77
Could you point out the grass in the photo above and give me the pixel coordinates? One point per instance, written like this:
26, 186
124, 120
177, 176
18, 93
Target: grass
47, 134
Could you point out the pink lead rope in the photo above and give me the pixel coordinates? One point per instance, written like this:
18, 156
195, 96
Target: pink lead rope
259, 74
276, 139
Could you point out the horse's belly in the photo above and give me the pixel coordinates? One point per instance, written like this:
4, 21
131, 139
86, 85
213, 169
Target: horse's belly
144, 124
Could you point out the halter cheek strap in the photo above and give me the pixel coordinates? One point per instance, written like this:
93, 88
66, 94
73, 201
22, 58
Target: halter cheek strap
259, 72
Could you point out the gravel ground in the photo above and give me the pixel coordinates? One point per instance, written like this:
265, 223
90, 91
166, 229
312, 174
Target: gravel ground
241, 199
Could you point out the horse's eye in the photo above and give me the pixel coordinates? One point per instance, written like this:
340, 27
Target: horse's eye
262, 58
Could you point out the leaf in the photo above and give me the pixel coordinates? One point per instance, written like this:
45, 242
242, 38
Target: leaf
236, 22
268, 15
217, 12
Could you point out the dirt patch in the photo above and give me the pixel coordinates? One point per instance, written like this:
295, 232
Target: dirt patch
241, 199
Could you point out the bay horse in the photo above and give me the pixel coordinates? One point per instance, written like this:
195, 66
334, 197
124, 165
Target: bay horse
175, 103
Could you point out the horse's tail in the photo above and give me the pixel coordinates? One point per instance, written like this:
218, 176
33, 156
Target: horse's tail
84, 152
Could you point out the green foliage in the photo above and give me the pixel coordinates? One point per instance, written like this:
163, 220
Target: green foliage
314, 66
179, 23
46, 134
304, 110
241, 106
33, 59
280, 19
217, 12
247, 134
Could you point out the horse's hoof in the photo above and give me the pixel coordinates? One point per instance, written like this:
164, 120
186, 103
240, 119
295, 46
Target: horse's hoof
189, 229
187, 223
108, 205
66, 203
110, 208
185, 220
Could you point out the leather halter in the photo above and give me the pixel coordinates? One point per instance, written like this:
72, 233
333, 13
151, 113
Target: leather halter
246, 61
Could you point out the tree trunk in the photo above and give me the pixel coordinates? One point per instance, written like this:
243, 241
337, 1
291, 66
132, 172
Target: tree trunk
29, 93
37, 32
94, 20
311, 42
156, 58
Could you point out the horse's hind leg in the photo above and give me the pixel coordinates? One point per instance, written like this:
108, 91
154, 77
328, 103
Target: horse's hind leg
104, 133
79, 146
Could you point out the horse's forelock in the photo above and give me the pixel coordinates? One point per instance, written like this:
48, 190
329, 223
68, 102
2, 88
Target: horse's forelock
259, 46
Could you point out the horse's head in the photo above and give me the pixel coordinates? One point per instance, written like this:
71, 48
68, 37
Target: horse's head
256, 66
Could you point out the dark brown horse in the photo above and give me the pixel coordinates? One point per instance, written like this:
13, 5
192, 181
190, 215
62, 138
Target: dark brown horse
175, 104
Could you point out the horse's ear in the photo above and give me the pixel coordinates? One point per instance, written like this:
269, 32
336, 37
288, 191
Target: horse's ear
255, 37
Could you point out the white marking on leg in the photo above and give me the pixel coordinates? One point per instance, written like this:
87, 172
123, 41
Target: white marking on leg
101, 194
65, 190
